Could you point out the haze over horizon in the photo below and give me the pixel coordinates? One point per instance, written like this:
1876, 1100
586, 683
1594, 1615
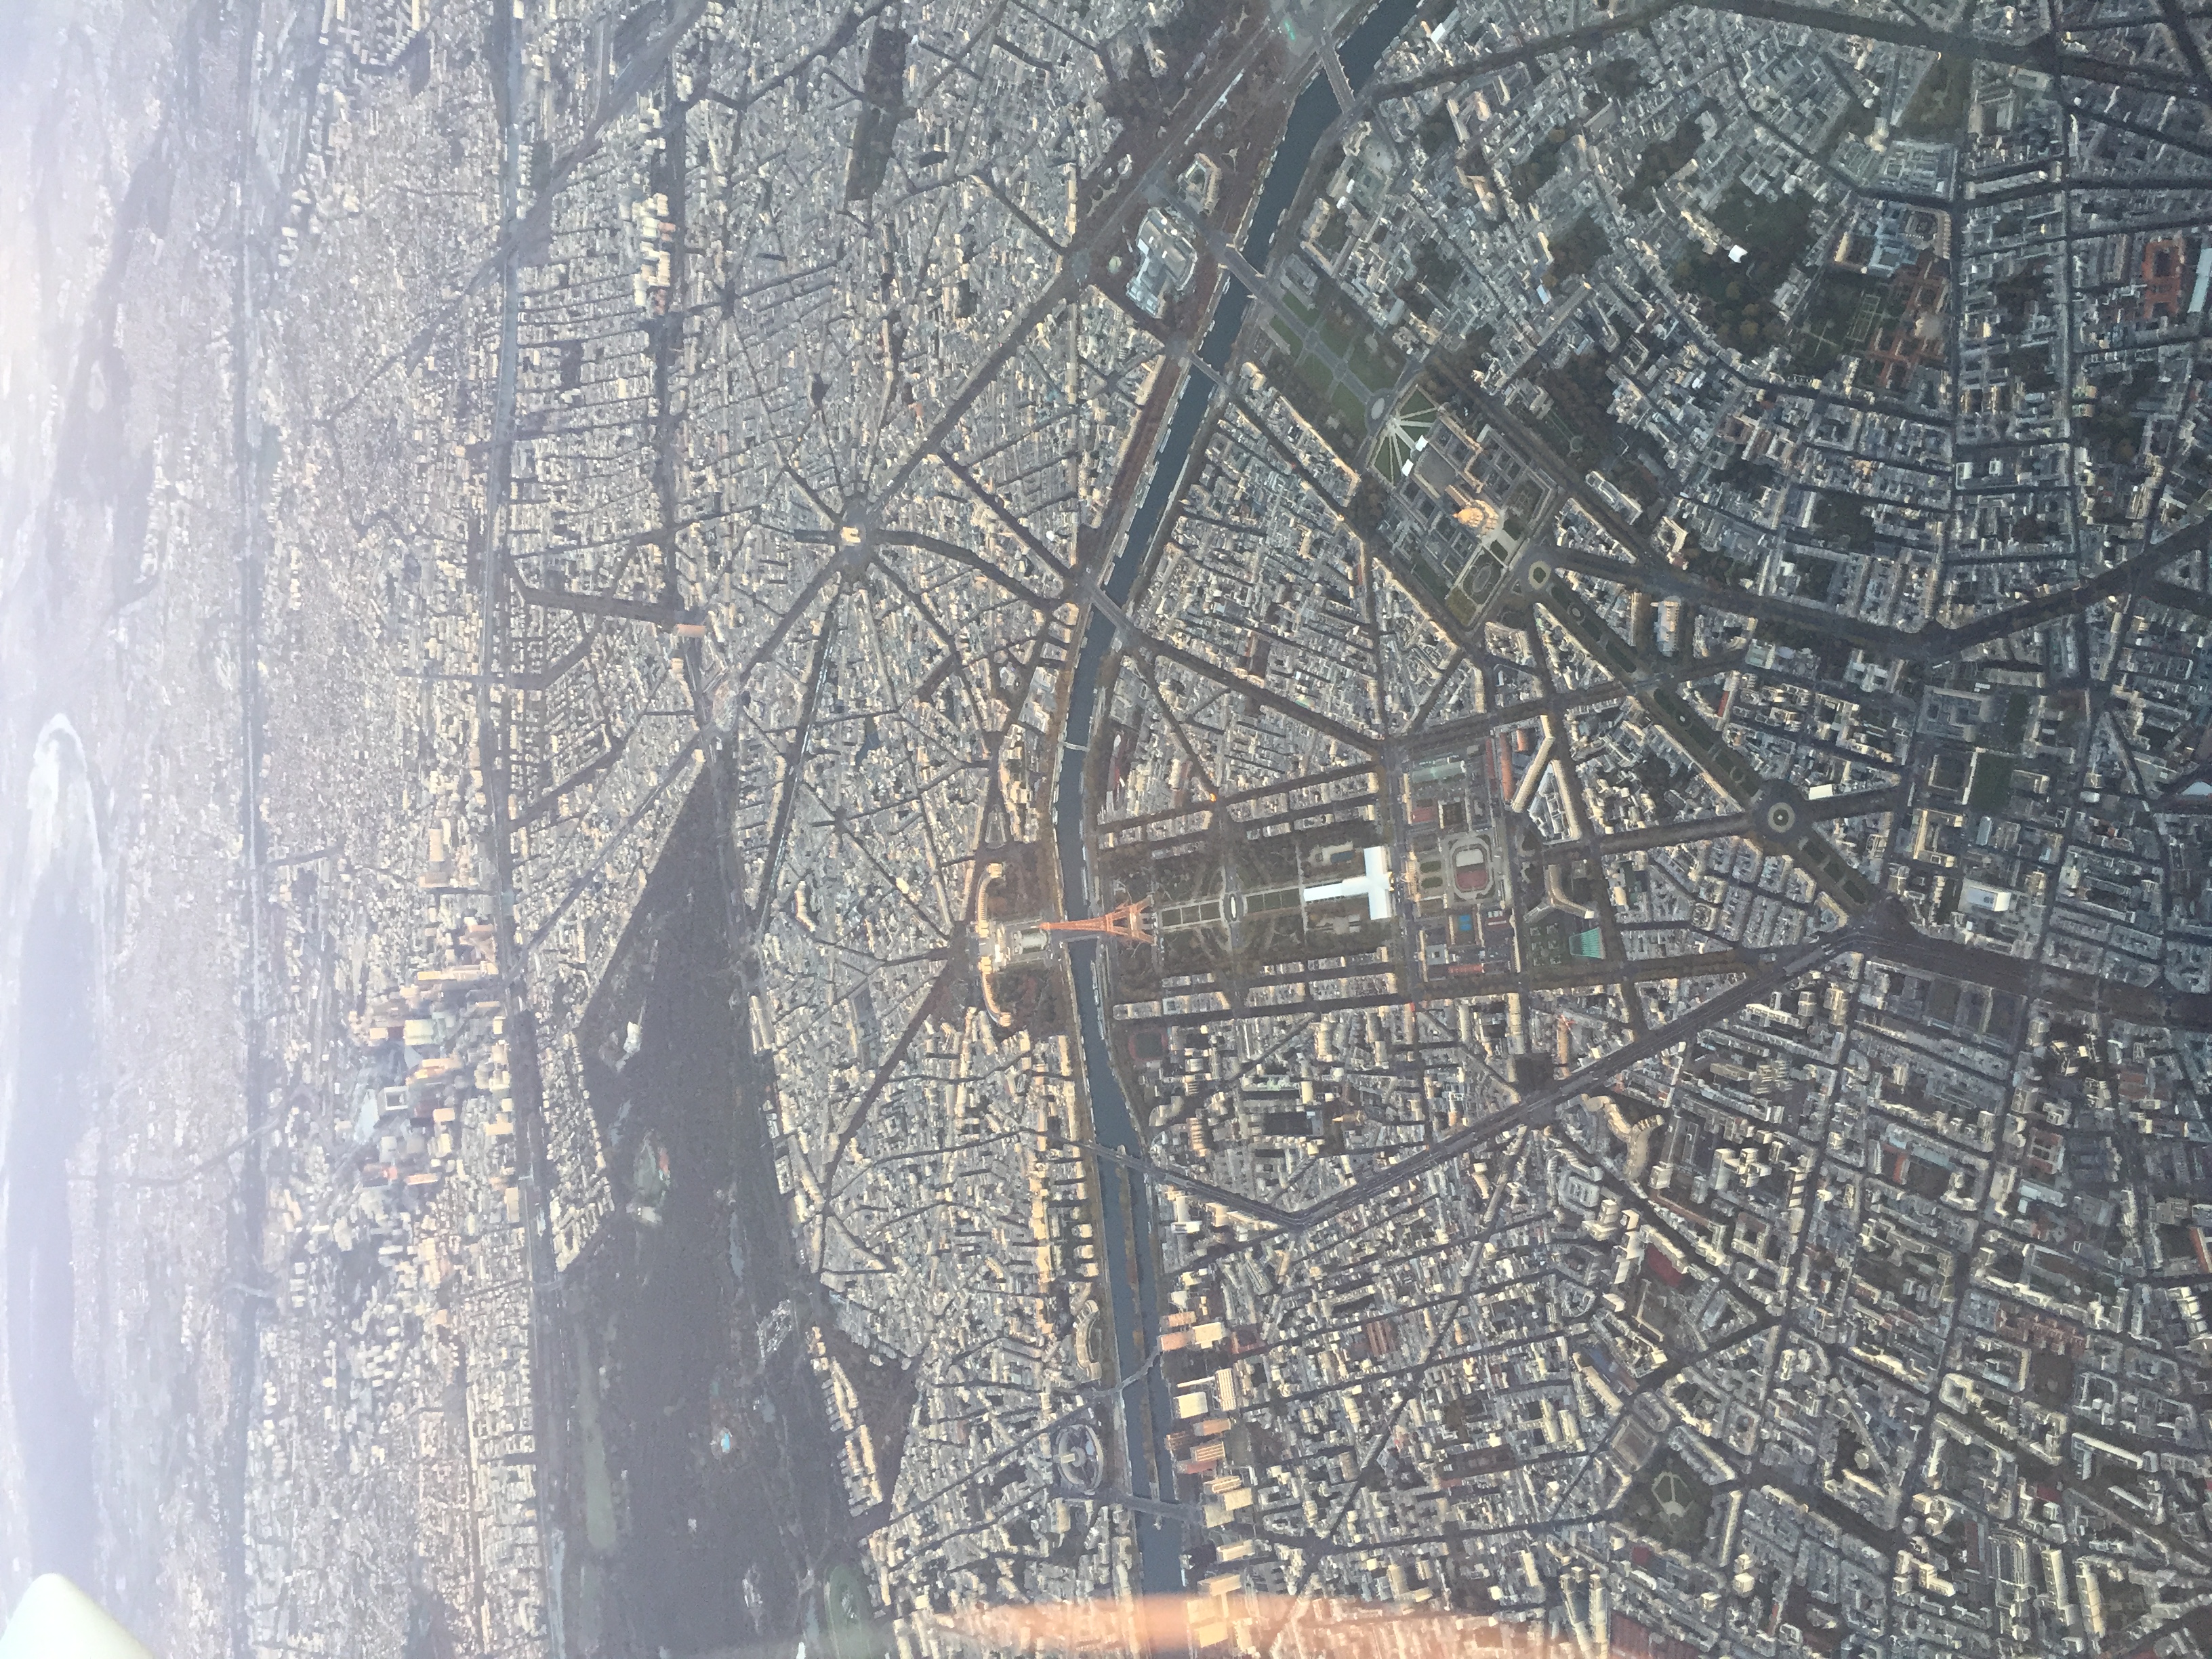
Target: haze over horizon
1162, 826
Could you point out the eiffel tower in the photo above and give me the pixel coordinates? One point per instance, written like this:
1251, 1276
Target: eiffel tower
1124, 921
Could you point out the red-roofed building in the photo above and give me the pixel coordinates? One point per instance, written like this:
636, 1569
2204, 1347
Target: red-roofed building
2164, 261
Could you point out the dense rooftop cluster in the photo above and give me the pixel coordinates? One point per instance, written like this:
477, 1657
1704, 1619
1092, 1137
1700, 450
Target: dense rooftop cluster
1618, 605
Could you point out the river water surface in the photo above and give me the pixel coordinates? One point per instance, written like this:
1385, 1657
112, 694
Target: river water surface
1127, 1227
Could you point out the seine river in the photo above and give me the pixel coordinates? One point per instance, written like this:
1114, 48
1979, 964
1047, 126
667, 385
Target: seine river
1128, 1228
